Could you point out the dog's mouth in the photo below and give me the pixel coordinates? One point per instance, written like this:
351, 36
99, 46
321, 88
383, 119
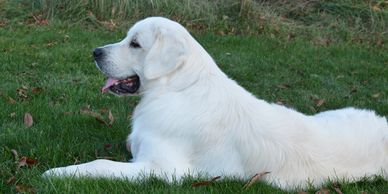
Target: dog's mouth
129, 85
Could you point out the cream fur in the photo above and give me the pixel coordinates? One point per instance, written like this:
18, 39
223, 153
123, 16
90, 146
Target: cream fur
193, 119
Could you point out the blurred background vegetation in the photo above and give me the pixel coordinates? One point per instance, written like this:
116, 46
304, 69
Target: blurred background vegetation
322, 21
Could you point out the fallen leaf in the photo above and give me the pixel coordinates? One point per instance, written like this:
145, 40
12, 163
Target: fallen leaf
104, 110
111, 118
37, 90
21, 188
319, 102
97, 116
12, 115
28, 121
11, 180
376, 8
108, 146
204, 183
284, 86
26, 161
255, 178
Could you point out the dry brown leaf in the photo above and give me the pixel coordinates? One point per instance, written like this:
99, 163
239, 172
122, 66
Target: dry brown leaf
204, 183
255, 178
104, 110
28, 121
111, 118
11, 180
319, 102
37, 90
26, 161
284, 86
108, 146
97, 116
376, 8
21, 188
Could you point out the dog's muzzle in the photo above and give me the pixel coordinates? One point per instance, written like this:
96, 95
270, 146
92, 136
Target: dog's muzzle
129, 85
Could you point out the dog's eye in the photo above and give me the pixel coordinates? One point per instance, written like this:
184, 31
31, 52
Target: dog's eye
134, 44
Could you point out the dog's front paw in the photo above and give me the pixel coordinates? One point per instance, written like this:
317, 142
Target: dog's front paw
52, 172
62, 172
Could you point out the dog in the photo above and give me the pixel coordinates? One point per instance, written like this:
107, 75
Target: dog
194, 120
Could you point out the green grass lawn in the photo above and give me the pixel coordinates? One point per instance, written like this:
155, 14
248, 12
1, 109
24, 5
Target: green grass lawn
48, 71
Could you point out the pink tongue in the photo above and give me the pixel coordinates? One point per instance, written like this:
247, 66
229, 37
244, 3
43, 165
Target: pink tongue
110, 82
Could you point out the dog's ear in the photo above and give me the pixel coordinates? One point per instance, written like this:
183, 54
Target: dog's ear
166, 54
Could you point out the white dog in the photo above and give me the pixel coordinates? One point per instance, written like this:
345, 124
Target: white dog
193, 119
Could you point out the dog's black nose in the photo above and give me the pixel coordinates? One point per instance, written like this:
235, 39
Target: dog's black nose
98, 53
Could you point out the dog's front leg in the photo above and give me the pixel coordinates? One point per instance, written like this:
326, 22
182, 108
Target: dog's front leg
104, 168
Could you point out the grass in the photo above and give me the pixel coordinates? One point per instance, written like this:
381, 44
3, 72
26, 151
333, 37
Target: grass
48, 71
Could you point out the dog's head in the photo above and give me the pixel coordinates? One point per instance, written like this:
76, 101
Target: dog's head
154, 47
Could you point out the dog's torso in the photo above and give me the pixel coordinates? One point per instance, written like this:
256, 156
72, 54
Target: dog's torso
219, 128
